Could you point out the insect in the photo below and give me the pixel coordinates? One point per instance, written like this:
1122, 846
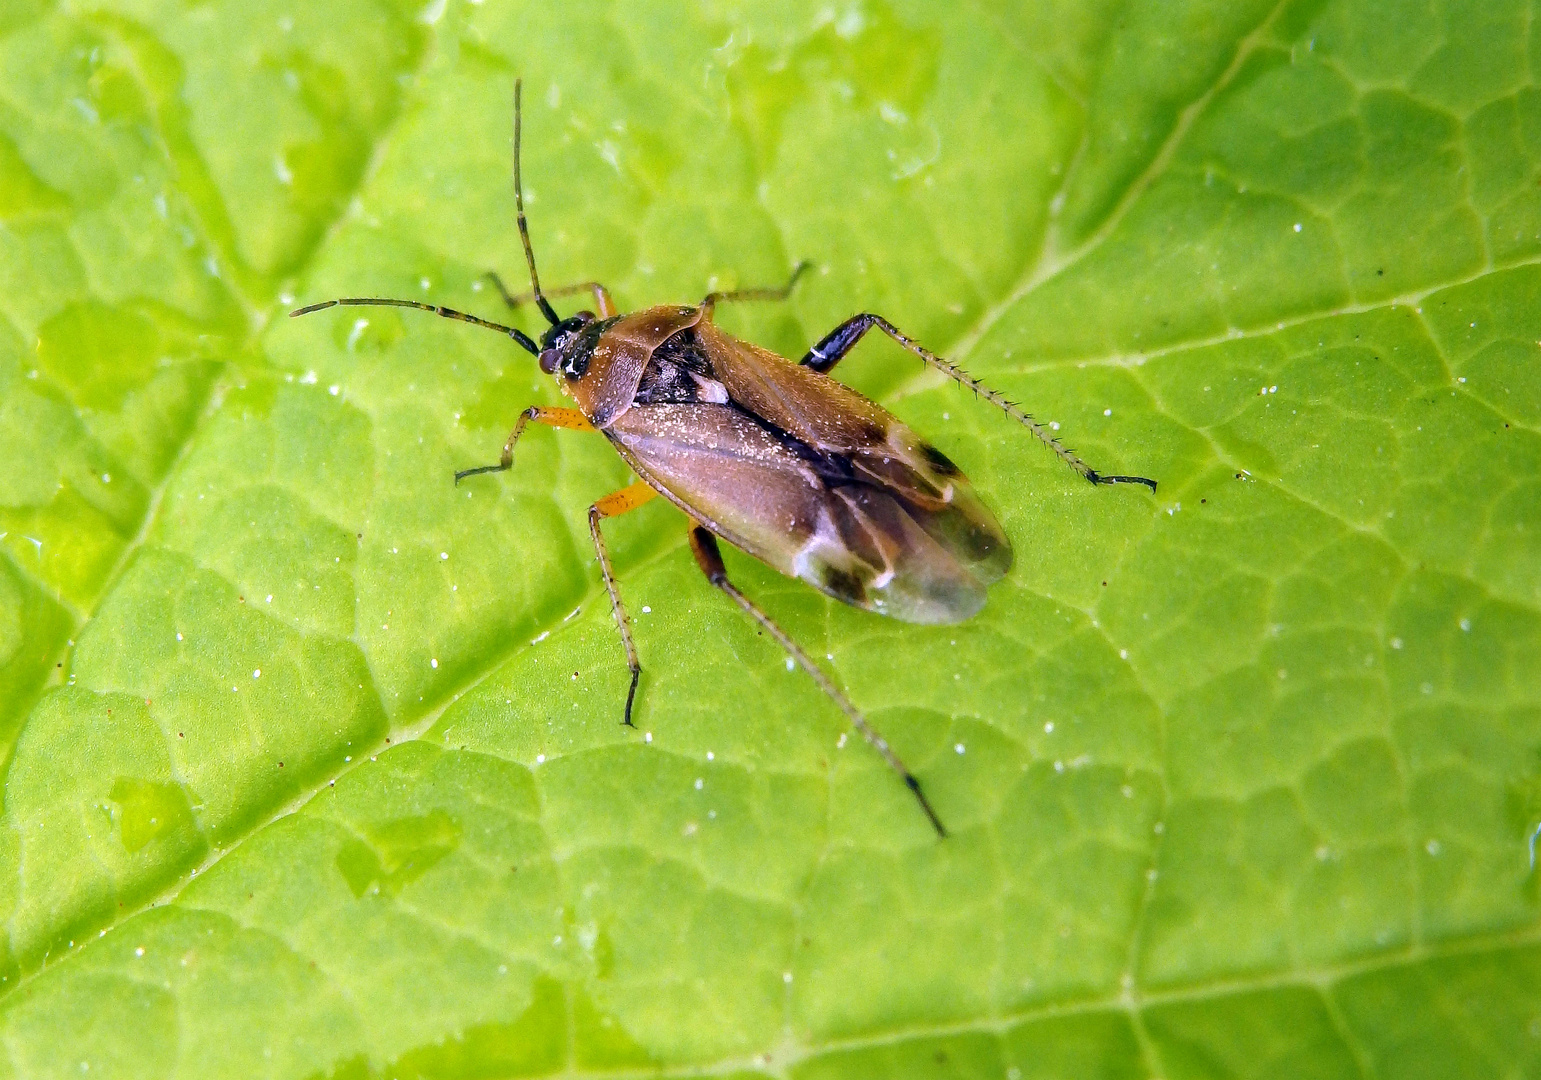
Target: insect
774, 457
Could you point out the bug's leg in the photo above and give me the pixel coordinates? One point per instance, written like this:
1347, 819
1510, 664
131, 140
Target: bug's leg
769, 292
833, 346
541, 414
704, 546
604, 306
613, 505
842, 339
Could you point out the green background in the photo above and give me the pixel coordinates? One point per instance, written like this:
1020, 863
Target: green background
313, 762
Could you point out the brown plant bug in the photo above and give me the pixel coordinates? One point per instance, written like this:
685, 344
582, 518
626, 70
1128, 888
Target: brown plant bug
774, 457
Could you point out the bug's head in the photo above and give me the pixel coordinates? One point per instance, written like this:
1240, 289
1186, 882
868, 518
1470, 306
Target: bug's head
566, 348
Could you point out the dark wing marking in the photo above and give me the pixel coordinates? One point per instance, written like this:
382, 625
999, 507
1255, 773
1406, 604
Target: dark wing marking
815, 515
836, 421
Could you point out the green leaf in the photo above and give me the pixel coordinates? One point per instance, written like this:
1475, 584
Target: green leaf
313, 759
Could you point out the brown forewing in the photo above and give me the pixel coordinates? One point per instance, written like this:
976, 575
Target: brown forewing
821, 484
835, 419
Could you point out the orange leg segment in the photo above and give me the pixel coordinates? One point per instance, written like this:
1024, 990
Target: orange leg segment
541, 414
613, 505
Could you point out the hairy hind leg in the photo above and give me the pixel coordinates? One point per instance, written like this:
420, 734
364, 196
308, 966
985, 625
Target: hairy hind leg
833, 346
704, 546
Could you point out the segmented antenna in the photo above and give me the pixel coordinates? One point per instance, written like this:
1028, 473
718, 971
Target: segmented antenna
524, 228
449, 313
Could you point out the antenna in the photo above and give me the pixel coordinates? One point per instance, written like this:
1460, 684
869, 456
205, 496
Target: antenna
449, 313
524, 228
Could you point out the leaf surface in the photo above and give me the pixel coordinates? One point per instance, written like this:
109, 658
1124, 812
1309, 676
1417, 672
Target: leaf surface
313, 759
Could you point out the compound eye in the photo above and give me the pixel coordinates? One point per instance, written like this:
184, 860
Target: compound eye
549, 358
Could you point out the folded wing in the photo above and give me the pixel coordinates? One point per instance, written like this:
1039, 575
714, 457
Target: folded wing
821, 484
